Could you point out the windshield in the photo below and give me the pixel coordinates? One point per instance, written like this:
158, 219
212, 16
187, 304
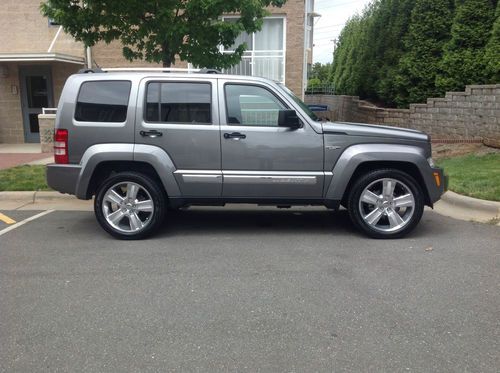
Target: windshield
301, 103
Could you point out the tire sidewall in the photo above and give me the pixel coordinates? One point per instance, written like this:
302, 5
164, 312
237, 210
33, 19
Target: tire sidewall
364, 181
157, 196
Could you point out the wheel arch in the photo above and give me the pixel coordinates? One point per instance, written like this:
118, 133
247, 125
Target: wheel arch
99, 161
407, 167
359, 159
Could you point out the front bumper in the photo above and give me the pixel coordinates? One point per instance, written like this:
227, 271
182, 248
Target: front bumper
63, 177
438, 184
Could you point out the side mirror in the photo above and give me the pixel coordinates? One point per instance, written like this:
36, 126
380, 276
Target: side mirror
288, 118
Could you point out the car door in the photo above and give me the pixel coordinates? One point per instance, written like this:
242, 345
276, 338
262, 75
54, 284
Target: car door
181, 117
259, 159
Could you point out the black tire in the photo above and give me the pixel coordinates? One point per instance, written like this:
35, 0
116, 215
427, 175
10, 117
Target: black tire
153, 220
371, 178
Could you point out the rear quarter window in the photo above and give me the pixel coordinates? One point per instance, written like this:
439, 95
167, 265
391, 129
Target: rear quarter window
103, 101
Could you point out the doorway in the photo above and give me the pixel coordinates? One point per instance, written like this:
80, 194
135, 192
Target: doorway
36, 93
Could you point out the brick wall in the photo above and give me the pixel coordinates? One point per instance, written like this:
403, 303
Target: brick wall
473, 115
11, 120
24, 30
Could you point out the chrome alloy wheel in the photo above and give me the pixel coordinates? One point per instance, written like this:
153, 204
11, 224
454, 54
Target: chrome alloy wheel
387, 205
127, 207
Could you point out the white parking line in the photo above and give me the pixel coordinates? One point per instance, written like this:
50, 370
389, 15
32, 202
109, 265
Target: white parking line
27, 220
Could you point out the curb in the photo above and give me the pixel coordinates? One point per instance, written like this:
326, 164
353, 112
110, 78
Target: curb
35, 196
17, 196
488, 207
461, 207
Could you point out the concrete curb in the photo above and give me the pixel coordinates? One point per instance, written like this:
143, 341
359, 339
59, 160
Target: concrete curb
17, 196
34, 196
456, 199
466, 208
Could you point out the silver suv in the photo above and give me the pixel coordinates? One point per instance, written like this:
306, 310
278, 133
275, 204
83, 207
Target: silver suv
147, 142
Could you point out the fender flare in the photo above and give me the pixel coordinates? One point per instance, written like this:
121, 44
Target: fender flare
356, 155
150, 154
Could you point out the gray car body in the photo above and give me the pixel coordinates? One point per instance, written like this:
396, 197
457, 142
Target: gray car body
313, 164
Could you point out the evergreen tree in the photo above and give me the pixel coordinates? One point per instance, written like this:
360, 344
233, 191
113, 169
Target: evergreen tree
492, 51
429, 30
395, 27
345, 54
350, 63
463, 60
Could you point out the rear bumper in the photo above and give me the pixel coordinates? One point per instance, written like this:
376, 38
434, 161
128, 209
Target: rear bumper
63, 177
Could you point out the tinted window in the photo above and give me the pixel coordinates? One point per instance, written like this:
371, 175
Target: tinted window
103, 101
251, 106
178, 103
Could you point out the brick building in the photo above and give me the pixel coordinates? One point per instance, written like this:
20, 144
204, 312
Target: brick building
36, 57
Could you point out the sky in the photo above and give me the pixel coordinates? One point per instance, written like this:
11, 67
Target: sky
334, 14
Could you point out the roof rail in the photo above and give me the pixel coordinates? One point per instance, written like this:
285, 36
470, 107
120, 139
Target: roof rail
88, 71
157, 69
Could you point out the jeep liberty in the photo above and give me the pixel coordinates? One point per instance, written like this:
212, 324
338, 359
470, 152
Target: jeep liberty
146, 142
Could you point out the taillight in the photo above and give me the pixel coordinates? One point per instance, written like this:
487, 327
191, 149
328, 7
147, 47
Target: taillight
61, 146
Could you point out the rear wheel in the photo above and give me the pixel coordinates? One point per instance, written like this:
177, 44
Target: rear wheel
386, 203
129, 205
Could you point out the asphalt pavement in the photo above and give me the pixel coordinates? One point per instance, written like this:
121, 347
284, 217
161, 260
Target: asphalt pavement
250, 289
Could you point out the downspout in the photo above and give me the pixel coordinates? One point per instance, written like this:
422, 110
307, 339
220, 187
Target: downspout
304, 56
89, 57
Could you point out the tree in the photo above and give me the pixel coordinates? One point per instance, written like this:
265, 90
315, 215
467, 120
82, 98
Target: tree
429, 30
348, 67
463, 60
492, 51
158, 31
392, 29
320, 71
370, 47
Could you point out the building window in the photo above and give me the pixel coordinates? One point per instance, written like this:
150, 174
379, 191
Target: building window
188, 103
53, 22
103, 101
265, 54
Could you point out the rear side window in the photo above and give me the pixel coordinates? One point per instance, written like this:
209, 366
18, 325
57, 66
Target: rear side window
178, 103
103, 101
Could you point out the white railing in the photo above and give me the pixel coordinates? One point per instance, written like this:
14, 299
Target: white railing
49, 110
268, 64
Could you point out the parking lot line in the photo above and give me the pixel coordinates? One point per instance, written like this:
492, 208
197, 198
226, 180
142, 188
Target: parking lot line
27, 220
6, 219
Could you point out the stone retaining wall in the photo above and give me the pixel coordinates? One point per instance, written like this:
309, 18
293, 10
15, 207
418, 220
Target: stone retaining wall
470, 116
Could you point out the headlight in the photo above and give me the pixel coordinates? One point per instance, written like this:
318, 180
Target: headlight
431, 162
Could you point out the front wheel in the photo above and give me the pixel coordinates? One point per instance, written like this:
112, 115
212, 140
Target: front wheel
129, 205
386, 203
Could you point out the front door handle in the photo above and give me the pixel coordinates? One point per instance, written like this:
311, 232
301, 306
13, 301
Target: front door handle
235, 136
152, 133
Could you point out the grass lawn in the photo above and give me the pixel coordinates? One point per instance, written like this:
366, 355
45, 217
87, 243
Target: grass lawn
474, 176
23, 178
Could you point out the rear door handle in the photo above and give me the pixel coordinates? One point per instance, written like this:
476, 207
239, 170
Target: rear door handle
235, 136
152, 133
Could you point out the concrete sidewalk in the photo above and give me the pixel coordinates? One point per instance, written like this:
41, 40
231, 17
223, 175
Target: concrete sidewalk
452, 205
